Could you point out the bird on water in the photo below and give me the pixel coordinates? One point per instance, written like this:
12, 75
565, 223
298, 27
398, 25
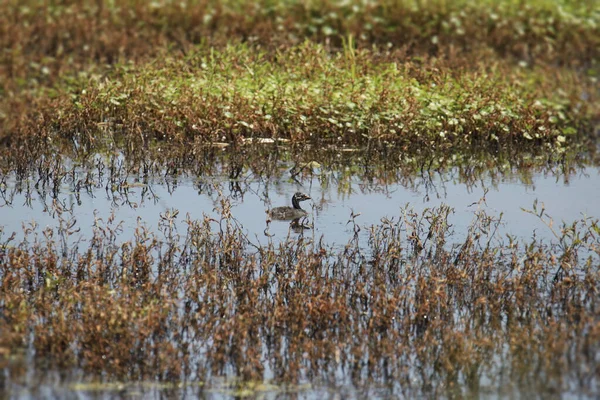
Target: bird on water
294, 212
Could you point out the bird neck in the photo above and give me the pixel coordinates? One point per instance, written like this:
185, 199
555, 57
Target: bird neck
296, 203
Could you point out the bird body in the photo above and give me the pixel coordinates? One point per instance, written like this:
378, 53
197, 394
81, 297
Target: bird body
289, 213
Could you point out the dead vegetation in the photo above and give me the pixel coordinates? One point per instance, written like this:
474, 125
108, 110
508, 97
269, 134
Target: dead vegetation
413, 311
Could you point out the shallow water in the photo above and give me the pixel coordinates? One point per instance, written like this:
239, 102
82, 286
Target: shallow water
330, 211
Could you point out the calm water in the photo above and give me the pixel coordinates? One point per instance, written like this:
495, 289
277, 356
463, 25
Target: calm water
330, 210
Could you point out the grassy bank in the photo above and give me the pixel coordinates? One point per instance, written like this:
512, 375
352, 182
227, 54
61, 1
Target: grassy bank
307, 94
418, 74
353, 97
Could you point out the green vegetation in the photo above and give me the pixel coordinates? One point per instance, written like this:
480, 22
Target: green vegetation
306, 94
402, 72
81, 31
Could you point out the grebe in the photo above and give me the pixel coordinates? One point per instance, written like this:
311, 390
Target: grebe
294, 212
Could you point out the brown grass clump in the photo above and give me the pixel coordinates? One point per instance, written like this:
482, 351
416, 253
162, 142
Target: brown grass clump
412, 311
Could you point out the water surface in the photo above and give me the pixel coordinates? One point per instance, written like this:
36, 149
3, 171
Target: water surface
332, 207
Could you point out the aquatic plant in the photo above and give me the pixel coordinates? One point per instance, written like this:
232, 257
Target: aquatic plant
414, 311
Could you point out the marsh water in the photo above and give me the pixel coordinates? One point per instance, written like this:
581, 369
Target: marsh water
343, 205
336, 206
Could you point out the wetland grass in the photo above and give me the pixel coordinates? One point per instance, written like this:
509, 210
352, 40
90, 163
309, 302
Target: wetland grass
57, 35
311, 95
414, 311
494, 74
